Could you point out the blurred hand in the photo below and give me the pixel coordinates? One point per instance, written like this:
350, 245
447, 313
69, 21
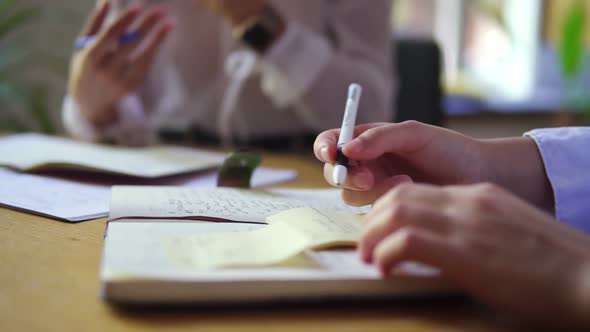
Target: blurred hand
503, 251
236, 11
384, 155
107, 70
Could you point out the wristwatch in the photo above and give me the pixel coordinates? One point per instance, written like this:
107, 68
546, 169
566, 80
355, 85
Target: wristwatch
262, 31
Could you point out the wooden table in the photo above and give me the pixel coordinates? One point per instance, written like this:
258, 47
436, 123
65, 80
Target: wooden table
49, 281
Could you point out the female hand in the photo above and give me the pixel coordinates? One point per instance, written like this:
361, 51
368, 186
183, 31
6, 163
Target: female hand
107, 69
500, 249
384, 155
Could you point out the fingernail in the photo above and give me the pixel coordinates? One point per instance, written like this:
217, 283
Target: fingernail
324, 153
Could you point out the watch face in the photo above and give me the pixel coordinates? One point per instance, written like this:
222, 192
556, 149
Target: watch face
263, 31
258, 37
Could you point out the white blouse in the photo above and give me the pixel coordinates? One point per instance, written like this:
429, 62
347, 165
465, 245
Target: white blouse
205, 80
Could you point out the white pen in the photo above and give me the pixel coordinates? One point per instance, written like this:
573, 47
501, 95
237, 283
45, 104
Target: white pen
346, 132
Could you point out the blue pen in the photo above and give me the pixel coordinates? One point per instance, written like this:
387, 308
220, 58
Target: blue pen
126, 38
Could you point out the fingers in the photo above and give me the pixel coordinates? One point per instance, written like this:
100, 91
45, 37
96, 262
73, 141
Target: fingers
127, 64
358, 178
325, 145
149, 22
110, 36
143, 57
400, 138
145, 25
404, 206
146, 52
363, 198
414, 244
96, 20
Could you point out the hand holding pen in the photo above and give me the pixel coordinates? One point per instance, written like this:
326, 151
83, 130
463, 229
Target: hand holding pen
362, 180
113, 60
384, 155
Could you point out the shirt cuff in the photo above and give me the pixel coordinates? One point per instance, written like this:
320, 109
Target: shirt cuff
567, 165
76, 124
132, 127
293, 64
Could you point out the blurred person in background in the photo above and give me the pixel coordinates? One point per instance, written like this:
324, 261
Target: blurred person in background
257, 72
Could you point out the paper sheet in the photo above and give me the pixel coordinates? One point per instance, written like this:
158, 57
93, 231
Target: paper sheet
57, 198
83, 198
288, 234
33, 151
219, 204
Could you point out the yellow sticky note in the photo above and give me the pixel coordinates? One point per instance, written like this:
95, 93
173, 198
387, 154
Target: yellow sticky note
288, 234
321, 229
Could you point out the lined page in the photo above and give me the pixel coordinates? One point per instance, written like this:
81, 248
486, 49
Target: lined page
219, 203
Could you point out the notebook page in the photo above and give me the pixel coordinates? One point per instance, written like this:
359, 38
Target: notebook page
219, 203
31, 151
139, 250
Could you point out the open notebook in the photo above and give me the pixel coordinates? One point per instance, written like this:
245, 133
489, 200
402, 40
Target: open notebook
182, 245
27, 152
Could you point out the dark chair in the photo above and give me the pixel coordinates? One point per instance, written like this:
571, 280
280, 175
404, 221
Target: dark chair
419, 91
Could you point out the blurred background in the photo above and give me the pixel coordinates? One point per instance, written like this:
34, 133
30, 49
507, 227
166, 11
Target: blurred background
506, 65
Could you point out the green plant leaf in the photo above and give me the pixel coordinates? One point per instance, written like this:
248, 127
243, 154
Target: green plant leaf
7, 93
10, 58
39, 101
11, 124
571, 47
6, 6
55, 65
17, 20
10, 97
18, 93
12, 89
